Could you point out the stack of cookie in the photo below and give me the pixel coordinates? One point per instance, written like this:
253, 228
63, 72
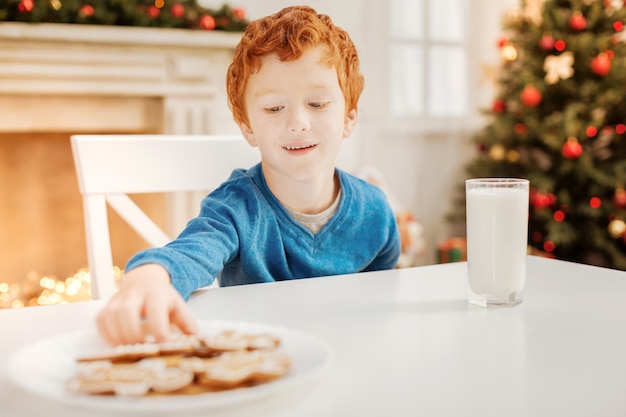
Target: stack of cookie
183, 365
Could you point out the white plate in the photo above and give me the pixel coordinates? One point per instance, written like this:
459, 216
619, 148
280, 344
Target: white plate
44, 367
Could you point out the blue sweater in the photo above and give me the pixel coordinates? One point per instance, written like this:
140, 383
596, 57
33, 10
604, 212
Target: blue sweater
243, 235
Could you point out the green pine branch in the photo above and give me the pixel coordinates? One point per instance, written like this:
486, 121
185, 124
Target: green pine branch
185, 14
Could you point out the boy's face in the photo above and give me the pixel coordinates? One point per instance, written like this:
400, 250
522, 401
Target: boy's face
297, 117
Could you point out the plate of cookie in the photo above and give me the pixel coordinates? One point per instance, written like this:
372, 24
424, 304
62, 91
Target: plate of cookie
226, 363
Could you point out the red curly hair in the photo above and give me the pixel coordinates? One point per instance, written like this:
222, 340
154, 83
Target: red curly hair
288, 34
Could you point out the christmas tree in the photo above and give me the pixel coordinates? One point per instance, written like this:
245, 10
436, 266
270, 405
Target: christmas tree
559, 120
185, 14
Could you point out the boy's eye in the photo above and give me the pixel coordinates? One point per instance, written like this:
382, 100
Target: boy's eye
318, 104
273, 109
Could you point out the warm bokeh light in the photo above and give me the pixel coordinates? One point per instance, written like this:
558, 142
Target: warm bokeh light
45, 290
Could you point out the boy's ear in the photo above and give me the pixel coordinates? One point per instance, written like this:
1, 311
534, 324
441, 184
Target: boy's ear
350, 122
247, 133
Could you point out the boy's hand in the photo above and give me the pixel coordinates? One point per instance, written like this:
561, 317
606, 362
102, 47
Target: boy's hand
146, 305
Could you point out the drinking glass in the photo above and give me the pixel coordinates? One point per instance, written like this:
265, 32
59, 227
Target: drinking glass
497, 236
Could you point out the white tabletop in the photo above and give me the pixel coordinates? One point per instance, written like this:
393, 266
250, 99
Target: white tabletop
406, 343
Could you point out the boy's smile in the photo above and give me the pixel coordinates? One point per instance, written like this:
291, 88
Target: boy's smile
300, 149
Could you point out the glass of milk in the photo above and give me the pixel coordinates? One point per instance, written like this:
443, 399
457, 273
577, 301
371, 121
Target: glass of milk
497, 238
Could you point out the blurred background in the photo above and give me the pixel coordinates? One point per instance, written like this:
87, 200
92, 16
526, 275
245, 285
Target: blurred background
454, 89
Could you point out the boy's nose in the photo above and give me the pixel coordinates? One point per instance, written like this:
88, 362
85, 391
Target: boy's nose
299, 122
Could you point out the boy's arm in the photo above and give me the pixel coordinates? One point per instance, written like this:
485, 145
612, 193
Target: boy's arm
195, 258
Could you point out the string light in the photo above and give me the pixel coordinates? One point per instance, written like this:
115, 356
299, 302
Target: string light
47, 290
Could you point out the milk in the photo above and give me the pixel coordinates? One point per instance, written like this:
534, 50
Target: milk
497, 232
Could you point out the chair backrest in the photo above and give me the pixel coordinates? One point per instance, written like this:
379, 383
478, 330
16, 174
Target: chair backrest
111, 166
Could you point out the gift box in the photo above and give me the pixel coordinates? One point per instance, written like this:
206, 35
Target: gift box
452, 250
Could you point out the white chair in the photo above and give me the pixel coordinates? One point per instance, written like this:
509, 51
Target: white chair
111, 166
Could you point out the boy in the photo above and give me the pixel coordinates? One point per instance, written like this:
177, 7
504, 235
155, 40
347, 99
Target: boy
293, 88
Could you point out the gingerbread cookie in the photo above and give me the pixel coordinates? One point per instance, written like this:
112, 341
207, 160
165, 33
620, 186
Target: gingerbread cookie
179, 344
243, 367
229, 340
135, 379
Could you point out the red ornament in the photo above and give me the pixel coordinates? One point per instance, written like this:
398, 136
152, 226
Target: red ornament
571, 149
541, 199
577, 22
546, 43
558, 216
86, 10
531, 96
207, 22
177, 10
153, 11
239, 13
549, 246
601, 64
619, 199
25, 6
620, 128
618, 26
520, 128
498, 106
591, 131
560, 45
595, 202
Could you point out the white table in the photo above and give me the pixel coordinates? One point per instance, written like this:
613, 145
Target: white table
406, 343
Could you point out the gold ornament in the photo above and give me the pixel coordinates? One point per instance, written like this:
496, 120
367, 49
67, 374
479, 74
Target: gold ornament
617, 228
512, 156
497, 152
56, 4
598, 114
558, 67
533, 11
508, 53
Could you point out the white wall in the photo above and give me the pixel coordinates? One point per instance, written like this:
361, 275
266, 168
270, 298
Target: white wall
421, 169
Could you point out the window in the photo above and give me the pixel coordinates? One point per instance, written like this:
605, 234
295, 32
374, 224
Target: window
428, 74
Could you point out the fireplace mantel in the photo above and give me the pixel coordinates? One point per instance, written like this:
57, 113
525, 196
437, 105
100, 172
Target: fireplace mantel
83, 77
61, 79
